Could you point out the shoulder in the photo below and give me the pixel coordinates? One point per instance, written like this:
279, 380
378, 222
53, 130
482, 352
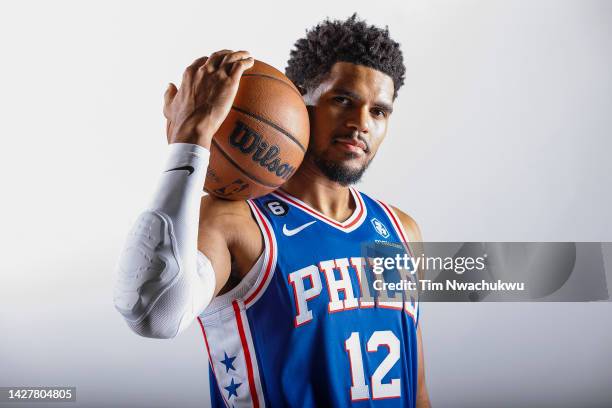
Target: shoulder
410, 225
414, 234
216, 206
215, 212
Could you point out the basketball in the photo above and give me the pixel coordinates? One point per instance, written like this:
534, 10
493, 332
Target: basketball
262, 141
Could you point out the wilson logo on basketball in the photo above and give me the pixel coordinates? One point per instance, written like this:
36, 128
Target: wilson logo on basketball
250, 142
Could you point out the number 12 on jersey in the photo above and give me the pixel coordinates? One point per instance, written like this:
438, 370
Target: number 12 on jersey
359, 388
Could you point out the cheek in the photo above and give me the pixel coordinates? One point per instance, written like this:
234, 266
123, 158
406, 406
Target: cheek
327, 114
380, 127
321, 125
376, 141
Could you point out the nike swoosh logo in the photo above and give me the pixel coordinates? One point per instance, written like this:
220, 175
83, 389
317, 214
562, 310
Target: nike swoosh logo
290, 232
190, 169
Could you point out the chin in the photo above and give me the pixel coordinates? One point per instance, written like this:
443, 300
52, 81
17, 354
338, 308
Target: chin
351, 165
348, 158
354, 163
348, 161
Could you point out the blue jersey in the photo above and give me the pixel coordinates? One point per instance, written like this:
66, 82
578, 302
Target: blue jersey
297, 330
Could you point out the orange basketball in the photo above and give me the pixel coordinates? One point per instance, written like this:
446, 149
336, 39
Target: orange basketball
262, 141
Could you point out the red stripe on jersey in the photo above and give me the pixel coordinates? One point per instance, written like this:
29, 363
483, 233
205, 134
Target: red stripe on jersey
398, 226
247, 354
271, 251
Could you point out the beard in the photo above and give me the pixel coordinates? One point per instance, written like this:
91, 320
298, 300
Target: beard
340, 172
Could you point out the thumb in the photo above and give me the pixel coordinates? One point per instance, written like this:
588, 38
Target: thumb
169, 95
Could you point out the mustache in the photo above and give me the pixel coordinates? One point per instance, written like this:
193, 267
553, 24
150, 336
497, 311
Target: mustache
352, 136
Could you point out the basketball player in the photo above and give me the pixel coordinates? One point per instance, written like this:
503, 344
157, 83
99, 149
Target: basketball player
274, 282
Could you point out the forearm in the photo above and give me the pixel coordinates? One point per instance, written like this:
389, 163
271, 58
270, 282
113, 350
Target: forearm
163, 281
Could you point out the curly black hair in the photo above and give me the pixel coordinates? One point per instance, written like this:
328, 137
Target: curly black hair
351, 41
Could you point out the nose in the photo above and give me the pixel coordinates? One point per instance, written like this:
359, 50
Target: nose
359, 119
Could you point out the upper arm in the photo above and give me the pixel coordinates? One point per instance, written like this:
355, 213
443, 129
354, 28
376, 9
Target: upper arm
213, 239
217, 221
229, 237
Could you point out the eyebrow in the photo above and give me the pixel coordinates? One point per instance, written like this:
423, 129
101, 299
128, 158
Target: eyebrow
382, 105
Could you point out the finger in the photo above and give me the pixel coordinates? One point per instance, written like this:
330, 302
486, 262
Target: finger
214, 60
191, 69
197, 63
240, 66
230, 58
168, 130
168, 98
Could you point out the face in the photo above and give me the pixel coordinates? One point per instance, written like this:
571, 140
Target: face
349, 113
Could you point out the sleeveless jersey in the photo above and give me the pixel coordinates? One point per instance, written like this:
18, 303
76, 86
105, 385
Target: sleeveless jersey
296, 332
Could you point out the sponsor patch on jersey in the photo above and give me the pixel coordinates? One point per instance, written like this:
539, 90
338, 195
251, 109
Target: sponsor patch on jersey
380, 228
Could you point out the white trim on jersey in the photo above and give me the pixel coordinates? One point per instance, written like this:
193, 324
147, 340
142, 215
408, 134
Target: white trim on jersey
270, 247
210, 361
231, 355
251, 358
349, 225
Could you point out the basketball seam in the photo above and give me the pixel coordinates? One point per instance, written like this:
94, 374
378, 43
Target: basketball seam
227, 156
276, 79
270, 123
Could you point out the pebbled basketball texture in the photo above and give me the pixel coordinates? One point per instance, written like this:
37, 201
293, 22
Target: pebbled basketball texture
262, 141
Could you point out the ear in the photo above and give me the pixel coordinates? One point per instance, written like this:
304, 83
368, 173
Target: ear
307, 95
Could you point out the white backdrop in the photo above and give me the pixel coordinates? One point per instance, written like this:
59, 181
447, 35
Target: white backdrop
501, 132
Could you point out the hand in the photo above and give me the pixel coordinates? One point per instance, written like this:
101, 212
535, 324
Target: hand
195, 112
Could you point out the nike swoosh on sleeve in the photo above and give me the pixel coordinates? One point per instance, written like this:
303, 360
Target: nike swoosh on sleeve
190, 169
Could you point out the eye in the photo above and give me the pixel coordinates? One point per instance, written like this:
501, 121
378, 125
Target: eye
342, 100
379, 113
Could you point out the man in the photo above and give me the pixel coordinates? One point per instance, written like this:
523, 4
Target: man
286, 325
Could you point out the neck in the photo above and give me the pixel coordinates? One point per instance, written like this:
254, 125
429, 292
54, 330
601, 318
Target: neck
310, 185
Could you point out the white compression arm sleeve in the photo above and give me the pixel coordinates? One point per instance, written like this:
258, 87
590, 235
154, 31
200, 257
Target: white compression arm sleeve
164, 282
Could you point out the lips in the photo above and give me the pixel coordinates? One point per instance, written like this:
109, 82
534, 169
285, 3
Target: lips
355, 143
